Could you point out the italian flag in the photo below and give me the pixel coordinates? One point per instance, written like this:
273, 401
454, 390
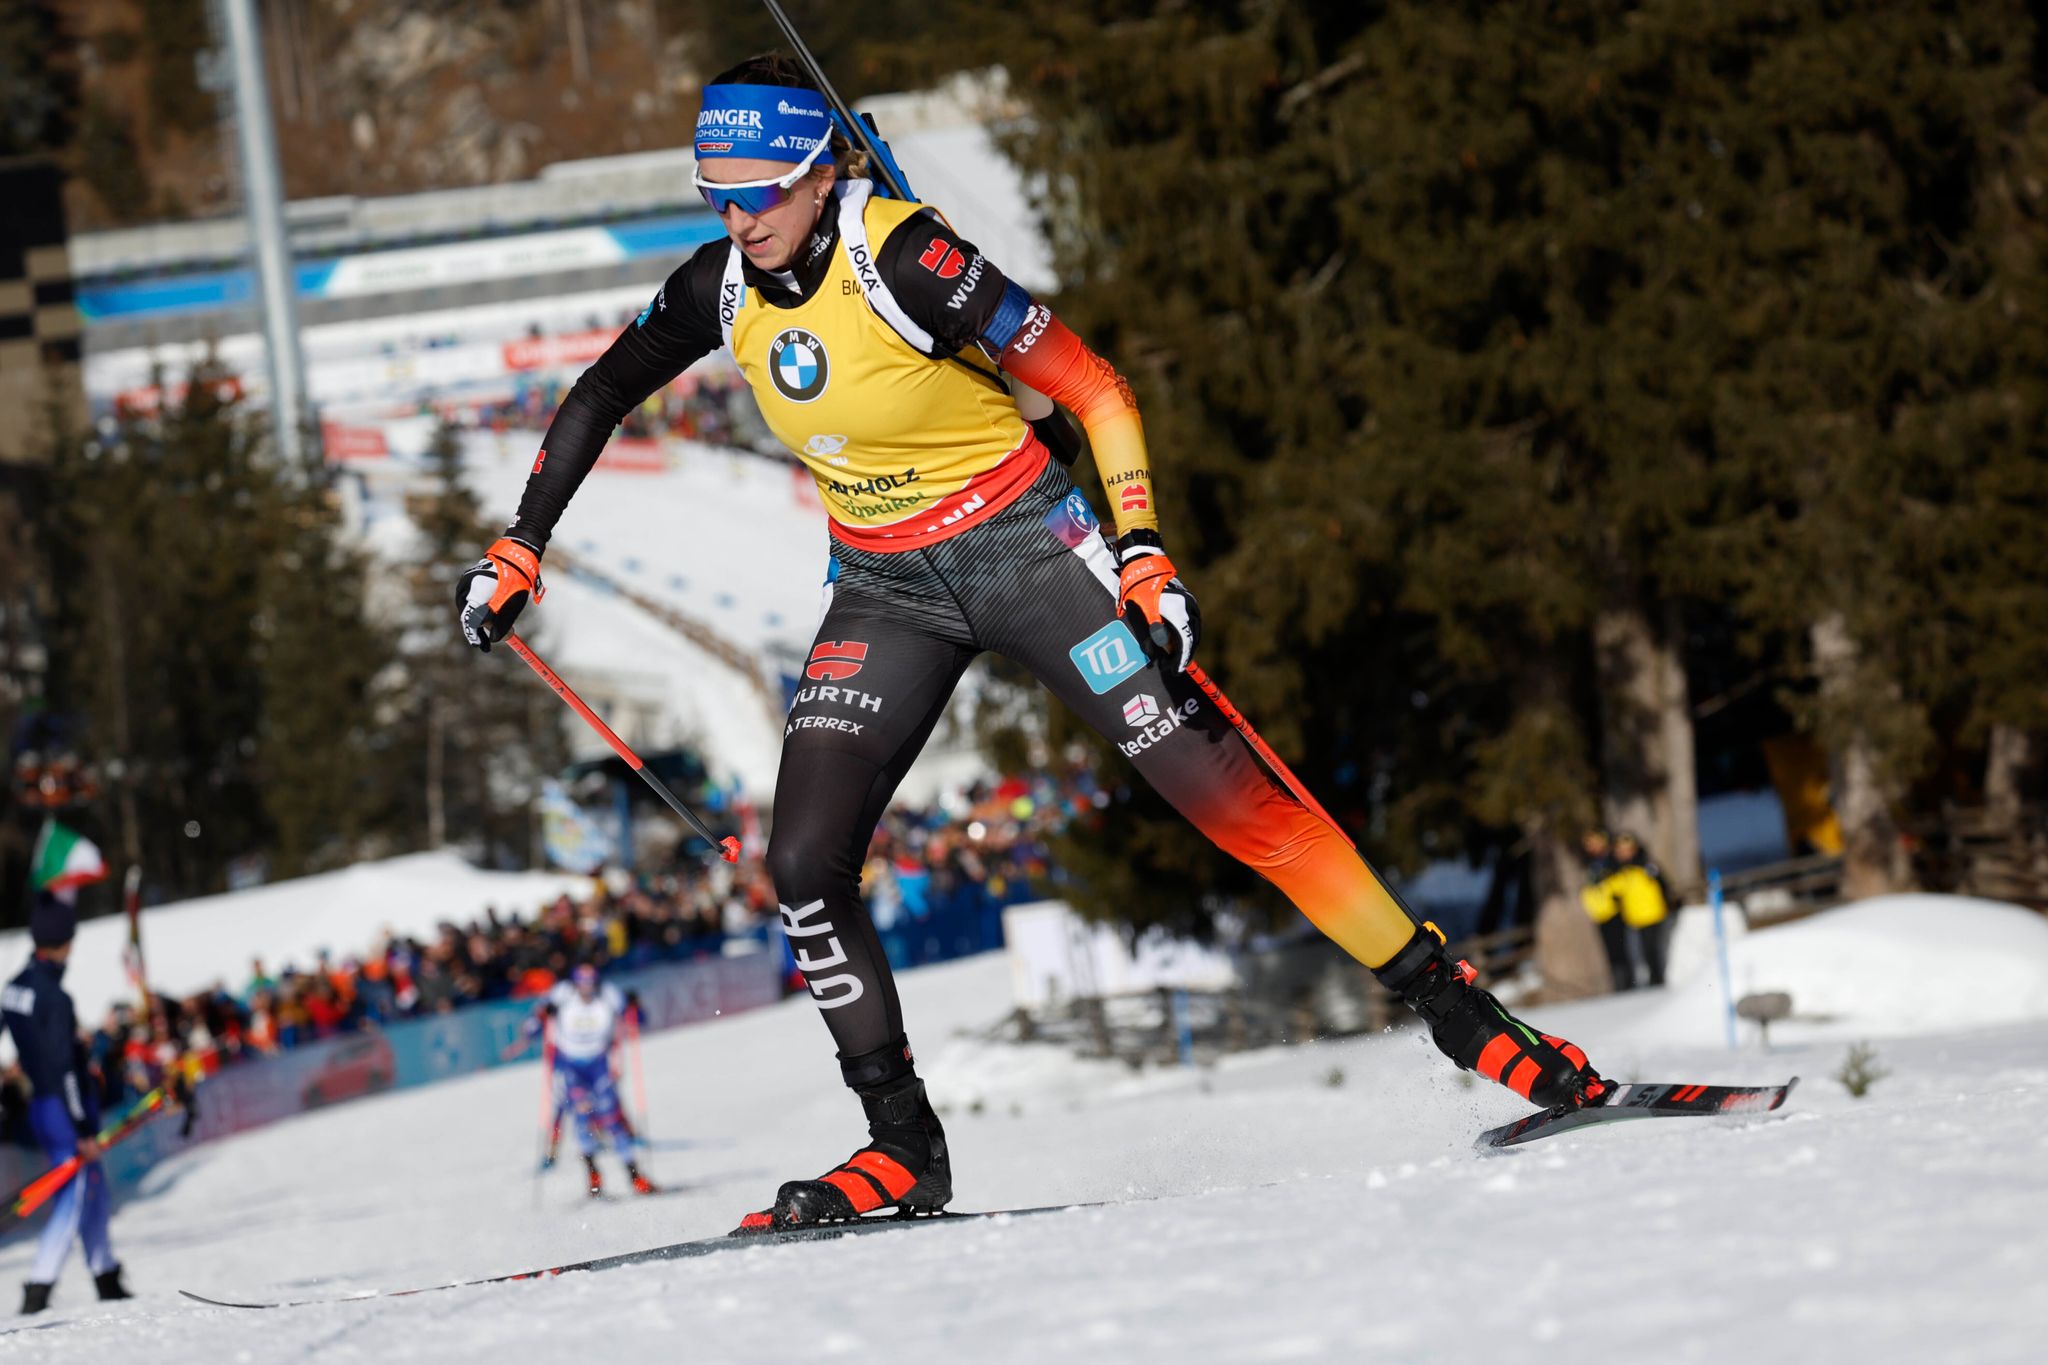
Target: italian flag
65, 860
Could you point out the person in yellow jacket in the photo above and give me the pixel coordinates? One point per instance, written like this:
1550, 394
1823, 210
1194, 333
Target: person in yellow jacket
1626, 897
910, 376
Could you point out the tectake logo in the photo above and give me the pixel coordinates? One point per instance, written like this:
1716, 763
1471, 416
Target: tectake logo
1107, 657
1035, 323
833, 660
1155, 725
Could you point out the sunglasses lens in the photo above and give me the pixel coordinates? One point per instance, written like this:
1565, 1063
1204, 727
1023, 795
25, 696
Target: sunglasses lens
752, 199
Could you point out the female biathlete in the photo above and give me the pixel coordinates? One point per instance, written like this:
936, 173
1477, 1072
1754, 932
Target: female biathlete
865, 326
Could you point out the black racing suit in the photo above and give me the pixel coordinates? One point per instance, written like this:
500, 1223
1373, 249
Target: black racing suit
1035, 581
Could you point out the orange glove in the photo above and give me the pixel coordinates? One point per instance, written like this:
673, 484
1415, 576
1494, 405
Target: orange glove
493, 591
1155, 604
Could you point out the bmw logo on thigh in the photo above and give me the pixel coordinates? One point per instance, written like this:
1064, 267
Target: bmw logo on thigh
796, 362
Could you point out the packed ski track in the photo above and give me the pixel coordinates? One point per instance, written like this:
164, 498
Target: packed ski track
1322, 1202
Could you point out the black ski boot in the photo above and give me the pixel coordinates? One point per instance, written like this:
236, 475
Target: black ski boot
1474, 1030
110, 1286
34, 1297
904, 1164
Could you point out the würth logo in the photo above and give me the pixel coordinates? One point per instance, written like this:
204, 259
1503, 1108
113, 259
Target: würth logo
832, 660
1134, 498
942, 259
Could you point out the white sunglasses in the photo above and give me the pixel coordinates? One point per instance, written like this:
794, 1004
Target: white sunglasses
756, 196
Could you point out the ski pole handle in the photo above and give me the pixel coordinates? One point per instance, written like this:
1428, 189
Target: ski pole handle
728, 847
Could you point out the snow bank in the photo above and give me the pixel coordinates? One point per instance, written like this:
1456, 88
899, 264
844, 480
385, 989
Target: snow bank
1885, 967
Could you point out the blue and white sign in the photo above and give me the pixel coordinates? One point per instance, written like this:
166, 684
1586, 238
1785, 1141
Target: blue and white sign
1108, 656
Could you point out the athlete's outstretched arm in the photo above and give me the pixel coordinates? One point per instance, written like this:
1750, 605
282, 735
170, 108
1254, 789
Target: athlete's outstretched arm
678, 328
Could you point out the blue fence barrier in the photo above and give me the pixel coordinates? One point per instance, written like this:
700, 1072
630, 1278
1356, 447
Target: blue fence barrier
410, 1053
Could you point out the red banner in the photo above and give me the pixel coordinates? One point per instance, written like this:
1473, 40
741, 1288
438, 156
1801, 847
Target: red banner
633, 455
354, 443
571, 348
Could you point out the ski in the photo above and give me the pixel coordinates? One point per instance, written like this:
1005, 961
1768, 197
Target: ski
1641, 1102
676, 1251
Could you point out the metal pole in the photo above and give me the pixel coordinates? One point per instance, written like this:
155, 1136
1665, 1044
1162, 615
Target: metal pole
1717, 901
263, 205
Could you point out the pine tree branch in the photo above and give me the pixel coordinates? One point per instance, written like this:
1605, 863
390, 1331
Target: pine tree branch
1336, 73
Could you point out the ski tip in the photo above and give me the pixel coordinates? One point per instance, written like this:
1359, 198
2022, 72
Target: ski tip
729, 849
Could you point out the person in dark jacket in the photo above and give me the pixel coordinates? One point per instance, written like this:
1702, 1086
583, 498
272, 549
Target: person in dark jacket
63, 1107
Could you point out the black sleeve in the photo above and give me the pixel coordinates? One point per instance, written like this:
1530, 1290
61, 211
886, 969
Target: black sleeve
946, 286
677, 329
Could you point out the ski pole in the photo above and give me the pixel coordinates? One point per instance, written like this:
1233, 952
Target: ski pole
1266, 755
856, 129
43, 1188
633, 1058
728, 847
1290, 781
547, 1101
547, 1078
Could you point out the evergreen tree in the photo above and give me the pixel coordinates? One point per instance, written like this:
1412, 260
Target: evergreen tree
477, 735
211, 626
1475, 339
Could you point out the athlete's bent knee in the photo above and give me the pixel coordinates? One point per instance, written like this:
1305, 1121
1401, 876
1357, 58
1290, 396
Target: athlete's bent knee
803, 863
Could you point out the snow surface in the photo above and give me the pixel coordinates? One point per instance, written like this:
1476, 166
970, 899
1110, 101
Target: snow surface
1313, 1203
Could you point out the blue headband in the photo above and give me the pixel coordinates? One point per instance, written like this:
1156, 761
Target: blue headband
771, 122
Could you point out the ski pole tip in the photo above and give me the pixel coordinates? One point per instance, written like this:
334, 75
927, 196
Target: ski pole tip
729, 849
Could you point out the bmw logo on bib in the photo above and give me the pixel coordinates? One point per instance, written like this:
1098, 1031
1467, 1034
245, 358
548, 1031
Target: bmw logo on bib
796, 362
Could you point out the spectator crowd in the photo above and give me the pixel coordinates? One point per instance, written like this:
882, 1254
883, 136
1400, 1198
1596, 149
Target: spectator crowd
936, 882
